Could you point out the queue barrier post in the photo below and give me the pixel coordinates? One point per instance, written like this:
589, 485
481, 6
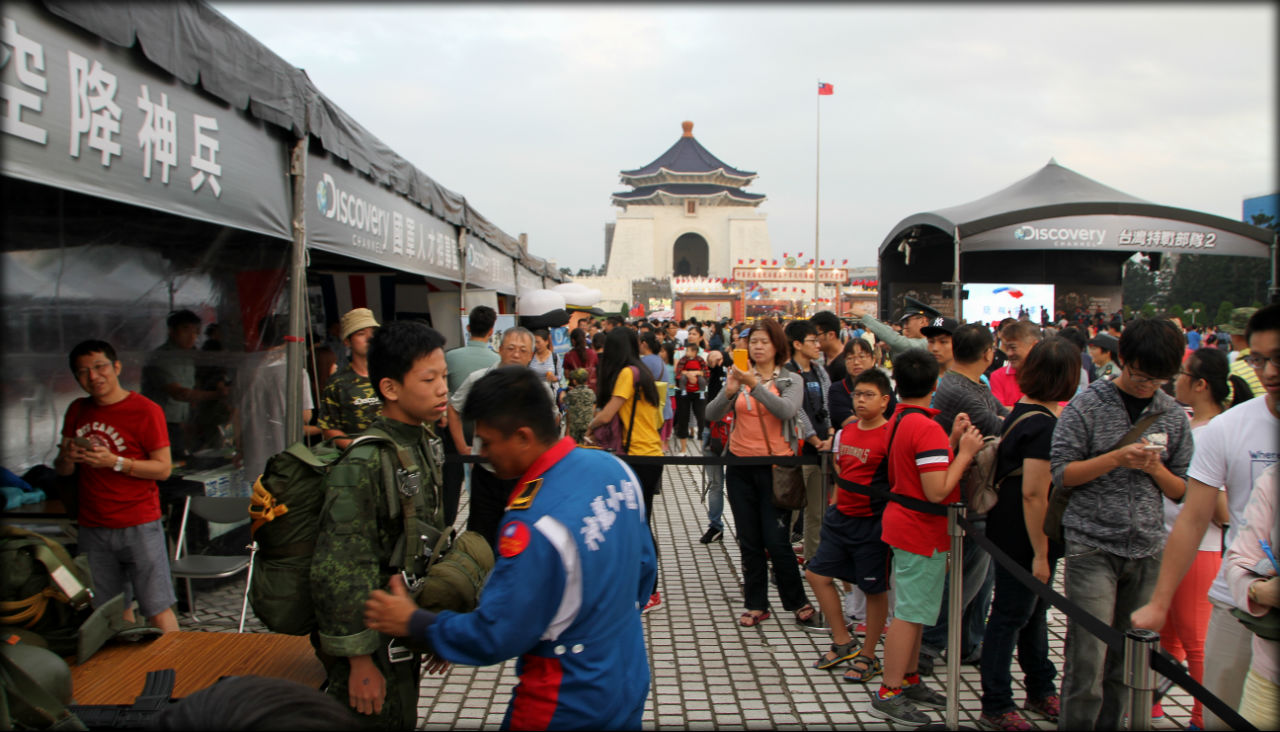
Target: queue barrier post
954, 612
1139, 676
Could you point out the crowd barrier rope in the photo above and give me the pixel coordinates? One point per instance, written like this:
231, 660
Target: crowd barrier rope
1139, 648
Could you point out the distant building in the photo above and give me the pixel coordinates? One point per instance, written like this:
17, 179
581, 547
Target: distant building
686, 215
1267, 205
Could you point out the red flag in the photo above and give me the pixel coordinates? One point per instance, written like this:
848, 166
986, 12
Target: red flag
739, 261
825, 89
800, 255
751, 261
845, 262
775, 263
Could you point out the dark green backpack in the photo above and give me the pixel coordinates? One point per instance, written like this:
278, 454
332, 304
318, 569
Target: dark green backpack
285, 508
42, 589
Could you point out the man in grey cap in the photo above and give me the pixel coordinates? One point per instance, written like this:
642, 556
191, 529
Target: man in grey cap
1240, 348
1104, 349
913, 319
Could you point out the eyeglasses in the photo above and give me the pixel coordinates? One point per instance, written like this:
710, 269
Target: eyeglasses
812, 341
1189, 375
1138, 378
100, 367
1259, 361
866, 394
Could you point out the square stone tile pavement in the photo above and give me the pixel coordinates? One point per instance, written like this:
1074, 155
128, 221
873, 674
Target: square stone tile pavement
707, 673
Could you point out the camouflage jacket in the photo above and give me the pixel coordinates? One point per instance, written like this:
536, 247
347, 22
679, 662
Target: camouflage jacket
348, 402
580, 407
361, 539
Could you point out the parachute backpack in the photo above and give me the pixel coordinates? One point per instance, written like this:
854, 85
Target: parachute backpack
285, 509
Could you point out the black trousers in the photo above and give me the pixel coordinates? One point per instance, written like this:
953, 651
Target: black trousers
489, 495
686, 403
650, 477
452, 474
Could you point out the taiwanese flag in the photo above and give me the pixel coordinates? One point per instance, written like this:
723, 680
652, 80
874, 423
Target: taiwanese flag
825, 89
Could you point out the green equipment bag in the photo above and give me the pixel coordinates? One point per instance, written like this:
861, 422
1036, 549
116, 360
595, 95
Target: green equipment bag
454, 580
42, 589
285, 509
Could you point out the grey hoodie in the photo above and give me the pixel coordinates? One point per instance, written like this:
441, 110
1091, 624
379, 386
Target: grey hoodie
1120, 512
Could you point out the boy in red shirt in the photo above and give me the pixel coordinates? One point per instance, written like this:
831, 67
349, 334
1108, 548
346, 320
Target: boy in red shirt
117, 445
920, 466
850, 548
691, 376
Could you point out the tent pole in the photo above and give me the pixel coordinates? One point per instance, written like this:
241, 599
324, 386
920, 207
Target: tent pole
462, 287
955, 279
1275, 269
295, 357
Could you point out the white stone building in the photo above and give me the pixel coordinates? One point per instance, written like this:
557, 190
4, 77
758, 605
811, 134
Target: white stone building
686, 215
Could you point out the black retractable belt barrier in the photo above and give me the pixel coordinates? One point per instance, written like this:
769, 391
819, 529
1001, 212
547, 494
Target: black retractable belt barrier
1112, 637
763, 460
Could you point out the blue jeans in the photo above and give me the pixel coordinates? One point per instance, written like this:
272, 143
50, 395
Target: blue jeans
715, 495
976, 598
1109, 587
1017, 620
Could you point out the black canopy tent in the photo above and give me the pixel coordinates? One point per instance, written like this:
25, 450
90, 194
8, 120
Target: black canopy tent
1053, 227
257, 121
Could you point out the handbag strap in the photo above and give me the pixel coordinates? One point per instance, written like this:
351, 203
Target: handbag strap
635, 405
765, 432
1138, 428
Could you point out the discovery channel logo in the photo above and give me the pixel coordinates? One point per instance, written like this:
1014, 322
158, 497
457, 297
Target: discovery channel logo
1062, 236
326, 198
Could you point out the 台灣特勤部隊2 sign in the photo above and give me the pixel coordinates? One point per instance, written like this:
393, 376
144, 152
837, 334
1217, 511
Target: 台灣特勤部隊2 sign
1115, 232
85, 115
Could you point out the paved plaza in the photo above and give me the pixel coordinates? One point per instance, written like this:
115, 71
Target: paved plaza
707, 672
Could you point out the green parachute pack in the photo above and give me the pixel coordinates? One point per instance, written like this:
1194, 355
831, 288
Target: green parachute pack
285, 511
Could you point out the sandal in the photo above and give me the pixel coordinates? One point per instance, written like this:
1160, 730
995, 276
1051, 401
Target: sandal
807, 616
842, 652
863, 669
750, 619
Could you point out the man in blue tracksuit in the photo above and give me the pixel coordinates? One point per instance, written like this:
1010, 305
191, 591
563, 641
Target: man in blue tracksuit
575, 565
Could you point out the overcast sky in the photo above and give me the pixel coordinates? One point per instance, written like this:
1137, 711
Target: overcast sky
531, 111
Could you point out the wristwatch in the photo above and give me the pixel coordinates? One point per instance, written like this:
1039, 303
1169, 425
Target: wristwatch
119, 464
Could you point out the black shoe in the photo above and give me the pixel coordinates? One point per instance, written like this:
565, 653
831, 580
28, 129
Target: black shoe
713, 535
797, 537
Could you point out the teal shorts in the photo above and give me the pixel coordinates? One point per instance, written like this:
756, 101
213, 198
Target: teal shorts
917, 580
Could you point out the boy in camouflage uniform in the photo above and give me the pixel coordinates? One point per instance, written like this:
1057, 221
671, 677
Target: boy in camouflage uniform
580, 404
349, 403
362, 540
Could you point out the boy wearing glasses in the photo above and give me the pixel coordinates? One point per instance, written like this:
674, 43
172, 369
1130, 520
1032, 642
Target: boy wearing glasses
1119, 446
117, 445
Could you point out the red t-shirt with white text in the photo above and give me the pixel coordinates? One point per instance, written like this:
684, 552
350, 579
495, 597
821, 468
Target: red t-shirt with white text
132, 427
859, 454
920, 446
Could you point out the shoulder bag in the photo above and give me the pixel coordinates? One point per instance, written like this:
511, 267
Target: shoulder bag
788, 480
609, 436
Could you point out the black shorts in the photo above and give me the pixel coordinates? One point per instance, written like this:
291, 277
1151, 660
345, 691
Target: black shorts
851, 550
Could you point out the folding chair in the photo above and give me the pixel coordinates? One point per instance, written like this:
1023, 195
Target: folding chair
222, 510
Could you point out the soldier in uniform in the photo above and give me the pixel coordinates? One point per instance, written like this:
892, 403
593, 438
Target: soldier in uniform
349, 403
363, 540
575, 564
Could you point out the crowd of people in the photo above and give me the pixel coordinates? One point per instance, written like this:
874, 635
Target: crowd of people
1159, 454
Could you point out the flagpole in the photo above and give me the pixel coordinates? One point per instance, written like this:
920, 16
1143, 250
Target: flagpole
817, 199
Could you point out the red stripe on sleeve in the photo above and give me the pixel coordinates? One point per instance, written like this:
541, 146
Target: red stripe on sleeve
537, 694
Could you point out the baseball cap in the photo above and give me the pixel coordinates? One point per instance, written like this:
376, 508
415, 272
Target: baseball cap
357, 319
1239, 320
1106, 342
940, 325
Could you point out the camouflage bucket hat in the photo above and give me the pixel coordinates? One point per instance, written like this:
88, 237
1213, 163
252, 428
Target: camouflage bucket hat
1239, 319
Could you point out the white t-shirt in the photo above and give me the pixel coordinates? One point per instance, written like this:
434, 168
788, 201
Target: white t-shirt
1212, 540
1231, 452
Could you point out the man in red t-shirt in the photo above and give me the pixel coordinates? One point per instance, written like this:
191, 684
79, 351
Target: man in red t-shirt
850, 547
920, 467
116, 444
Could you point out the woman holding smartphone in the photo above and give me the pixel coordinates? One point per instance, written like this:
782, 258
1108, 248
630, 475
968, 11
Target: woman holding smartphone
764, 400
